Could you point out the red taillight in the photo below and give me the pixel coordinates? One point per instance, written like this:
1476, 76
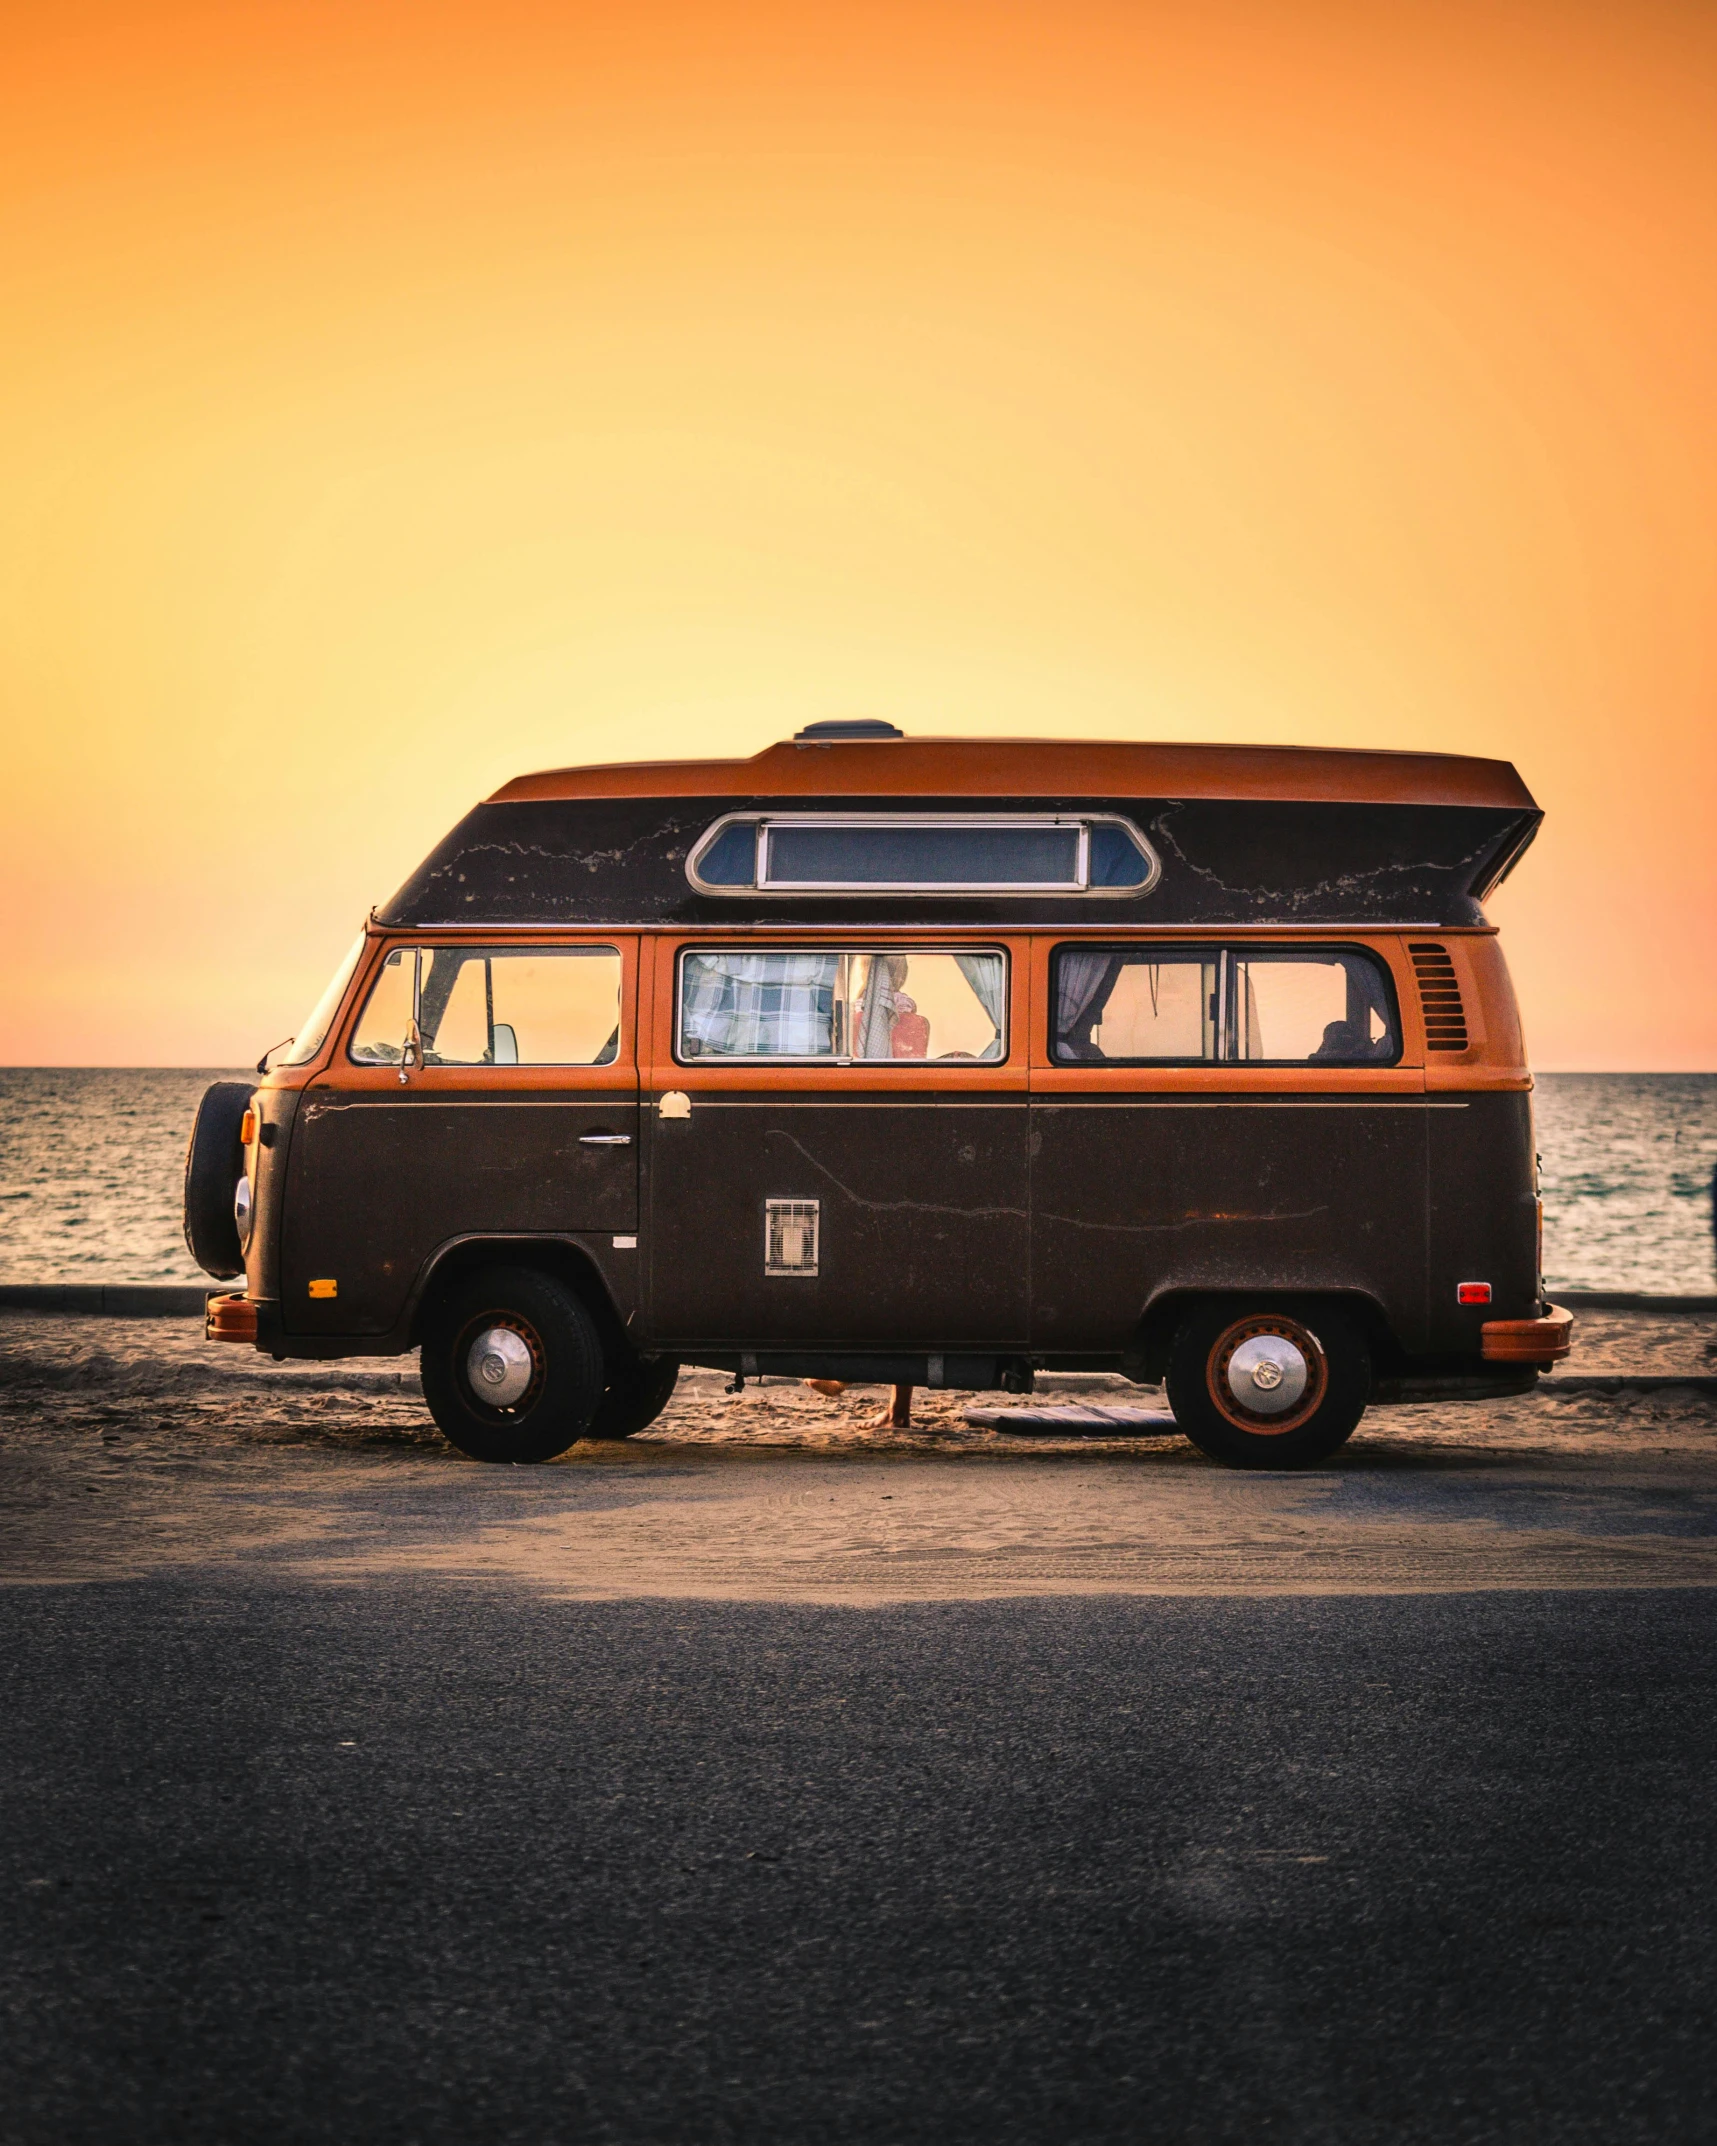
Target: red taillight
1472, 1292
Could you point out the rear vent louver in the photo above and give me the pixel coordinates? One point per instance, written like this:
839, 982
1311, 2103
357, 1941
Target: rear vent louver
1440, 997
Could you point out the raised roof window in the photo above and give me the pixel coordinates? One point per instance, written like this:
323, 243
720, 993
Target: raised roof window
920, 853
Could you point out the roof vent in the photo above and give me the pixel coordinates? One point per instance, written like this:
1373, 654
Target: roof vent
845, 727
1440, 996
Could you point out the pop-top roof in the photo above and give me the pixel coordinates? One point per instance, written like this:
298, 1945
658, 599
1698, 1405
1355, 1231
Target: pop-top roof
872, 765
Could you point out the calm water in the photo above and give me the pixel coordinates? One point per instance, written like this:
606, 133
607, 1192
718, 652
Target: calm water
92, 1162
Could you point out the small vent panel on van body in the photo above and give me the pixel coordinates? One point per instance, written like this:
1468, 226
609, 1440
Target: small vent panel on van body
1439, 996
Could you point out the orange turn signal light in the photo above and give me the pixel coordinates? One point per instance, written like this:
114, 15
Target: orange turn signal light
247, 1129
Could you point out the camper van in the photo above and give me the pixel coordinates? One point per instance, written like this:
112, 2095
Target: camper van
916, 1060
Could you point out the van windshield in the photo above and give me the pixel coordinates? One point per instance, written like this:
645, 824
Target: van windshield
314, 1032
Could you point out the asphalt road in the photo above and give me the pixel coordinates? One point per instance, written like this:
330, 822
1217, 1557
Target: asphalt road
408, 1847
417, 1863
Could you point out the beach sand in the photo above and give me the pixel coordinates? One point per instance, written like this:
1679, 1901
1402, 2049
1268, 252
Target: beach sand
133, 1444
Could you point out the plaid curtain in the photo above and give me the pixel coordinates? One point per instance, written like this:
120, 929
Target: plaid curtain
759, 1005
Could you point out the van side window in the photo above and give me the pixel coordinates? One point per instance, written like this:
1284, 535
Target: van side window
884, 1004
1311, 1009
1164, 1005
379, 1039
495, 1006
1112, 1006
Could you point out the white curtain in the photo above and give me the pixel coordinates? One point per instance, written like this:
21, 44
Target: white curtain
988, 976
873, 1022
1080, 980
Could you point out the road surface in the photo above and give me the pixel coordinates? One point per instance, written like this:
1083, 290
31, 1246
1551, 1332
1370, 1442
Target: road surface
782, 1779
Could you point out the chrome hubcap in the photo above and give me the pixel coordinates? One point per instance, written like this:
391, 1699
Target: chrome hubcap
498, 1365
1267, 1375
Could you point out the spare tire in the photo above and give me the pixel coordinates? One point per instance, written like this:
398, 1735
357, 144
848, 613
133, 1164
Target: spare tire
214, 1163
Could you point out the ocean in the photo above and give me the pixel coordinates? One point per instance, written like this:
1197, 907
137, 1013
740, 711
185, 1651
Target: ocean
92, 1163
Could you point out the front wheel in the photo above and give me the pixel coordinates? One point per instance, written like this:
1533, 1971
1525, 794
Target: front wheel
1269, 1389
511, 1365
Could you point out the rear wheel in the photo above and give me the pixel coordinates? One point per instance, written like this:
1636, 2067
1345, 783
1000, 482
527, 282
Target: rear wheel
1263, 1388
512, 1366
636, 1395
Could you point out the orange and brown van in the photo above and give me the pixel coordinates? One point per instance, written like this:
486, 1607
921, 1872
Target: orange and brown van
915, 1060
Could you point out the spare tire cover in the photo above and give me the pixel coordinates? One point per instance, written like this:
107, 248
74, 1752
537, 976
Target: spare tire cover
214, 1163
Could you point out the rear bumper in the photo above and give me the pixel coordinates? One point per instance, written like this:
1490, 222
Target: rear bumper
229, 1315
1529, 1341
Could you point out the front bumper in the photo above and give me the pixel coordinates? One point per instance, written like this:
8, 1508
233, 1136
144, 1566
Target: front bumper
1529, 1341
229, 1315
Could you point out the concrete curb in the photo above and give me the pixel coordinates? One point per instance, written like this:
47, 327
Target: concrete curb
1624, 1300
108, 1300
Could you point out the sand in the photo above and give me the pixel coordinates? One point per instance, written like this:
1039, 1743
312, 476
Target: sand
133, 1444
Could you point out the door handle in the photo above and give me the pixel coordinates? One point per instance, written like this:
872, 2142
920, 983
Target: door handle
605, 1140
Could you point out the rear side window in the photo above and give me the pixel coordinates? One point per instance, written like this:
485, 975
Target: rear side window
1196, 1005
494, 1006
1308, 1009
876, 1005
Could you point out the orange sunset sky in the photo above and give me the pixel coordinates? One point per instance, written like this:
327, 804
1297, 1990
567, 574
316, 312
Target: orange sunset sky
394, 398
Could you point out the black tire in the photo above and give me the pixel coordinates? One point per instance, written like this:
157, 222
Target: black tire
214, 1163
1297, 1434
636, 1395
561, 1365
